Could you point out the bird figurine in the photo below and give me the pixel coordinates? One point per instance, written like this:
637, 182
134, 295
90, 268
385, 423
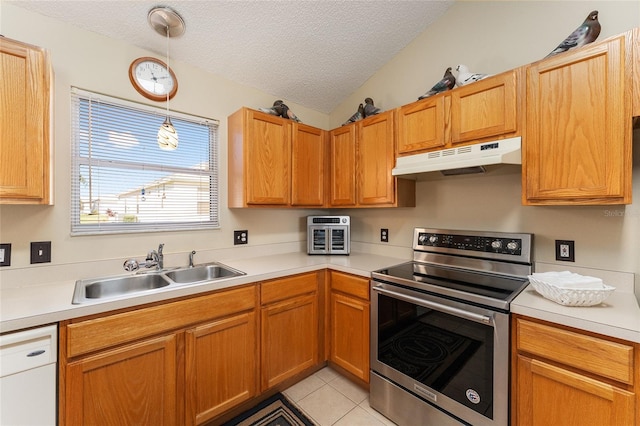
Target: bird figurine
466, 77
369, 108
358, 115
283, 111
447, 83
586, 33
270, 110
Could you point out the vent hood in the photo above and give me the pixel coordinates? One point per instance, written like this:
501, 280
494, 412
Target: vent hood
461, 160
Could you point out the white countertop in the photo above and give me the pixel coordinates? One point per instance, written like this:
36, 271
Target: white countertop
34, 305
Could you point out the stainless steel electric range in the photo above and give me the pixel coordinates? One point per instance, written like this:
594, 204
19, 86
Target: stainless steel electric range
440, 328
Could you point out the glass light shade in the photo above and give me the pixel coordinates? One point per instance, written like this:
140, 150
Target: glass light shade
167, 136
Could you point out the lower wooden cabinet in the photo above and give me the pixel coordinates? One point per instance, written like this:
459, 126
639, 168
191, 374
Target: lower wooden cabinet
349, 324
178, 363
135, 384
221, 360
289, 337
563, 376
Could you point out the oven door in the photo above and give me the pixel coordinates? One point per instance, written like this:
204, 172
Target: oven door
451, 354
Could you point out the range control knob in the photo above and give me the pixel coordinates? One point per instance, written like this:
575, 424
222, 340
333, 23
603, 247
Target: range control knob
422, 239
512, 245
496, 244
433, 239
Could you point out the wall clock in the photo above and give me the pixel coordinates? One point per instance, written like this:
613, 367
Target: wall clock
153, 79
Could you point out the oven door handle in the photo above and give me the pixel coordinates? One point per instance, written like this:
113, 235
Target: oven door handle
483, 319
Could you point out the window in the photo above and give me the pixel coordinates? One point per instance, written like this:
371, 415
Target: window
123, 182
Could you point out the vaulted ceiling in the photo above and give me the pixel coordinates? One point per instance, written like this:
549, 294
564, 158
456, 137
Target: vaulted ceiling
311, 52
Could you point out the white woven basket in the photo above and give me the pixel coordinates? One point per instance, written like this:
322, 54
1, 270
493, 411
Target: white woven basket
571, 296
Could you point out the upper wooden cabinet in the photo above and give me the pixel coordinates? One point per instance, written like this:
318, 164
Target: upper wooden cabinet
577, 148
487, 109
25, 114
636, 72
274, 162
362, 157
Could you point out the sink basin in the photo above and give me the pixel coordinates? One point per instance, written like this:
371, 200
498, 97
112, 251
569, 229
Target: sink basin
209, 272
117, 287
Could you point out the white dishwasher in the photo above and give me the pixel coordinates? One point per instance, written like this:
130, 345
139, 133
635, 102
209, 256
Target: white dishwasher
28, 377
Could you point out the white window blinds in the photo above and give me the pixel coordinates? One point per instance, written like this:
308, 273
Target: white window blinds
123, 182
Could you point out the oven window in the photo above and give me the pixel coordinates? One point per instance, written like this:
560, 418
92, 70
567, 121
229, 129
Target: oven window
448, 354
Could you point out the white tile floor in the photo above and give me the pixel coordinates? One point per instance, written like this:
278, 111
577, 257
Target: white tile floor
330, 399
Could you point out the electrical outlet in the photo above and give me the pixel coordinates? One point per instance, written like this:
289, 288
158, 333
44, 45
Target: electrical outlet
41, 252
384, 235
240, 237
565, 250
5, 254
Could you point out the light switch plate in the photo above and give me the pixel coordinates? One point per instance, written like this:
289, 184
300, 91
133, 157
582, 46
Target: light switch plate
240, 237
5, 254
565, 250
41, 252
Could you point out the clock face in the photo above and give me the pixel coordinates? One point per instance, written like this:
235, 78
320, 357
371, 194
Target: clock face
152, 79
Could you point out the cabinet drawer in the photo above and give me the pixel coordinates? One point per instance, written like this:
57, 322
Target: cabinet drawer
355, 286
284, 288
90, 335
591, 354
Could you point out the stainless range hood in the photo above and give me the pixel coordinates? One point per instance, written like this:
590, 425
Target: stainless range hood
461, 160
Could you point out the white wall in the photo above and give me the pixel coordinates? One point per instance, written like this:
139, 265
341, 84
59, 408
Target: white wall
90, 61
493, 37
487, 36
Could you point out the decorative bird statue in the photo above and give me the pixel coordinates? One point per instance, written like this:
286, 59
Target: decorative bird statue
283, 111
369, 108
447, 83
359, 115
586, 33
466, 77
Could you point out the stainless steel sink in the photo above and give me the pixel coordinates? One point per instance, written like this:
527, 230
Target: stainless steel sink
209, 272
117, 287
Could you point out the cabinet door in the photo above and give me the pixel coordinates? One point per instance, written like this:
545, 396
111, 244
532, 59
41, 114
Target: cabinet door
350, 334
134, 384
421, 125
308, 166
578, 140
484, 109
24, 124
549, 395
267, 159
289, 338
221, 366
375, 160
343, 166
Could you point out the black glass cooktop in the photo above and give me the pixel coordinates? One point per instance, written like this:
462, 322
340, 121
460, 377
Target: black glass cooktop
453, 282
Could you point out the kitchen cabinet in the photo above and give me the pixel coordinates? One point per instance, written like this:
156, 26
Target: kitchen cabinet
636, 72
349, 324
25, 120
563, 376
221, 359
274, 162
362, 157
488, 109
577, 148
289, 334
181, 362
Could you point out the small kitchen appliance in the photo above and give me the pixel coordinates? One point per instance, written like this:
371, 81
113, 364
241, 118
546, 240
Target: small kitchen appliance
440, 328
328, 234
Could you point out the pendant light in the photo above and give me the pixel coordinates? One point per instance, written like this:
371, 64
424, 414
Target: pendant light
167, 22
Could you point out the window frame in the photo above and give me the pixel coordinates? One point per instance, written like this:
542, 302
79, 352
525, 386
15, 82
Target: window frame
102, 228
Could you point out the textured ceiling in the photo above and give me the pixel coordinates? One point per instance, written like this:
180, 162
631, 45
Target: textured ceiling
311, 52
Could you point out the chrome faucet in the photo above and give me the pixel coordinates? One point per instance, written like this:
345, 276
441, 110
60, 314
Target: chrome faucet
154, 258
191, 258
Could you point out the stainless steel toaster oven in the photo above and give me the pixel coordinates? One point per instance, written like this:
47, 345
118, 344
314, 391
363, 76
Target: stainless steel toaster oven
328, 234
